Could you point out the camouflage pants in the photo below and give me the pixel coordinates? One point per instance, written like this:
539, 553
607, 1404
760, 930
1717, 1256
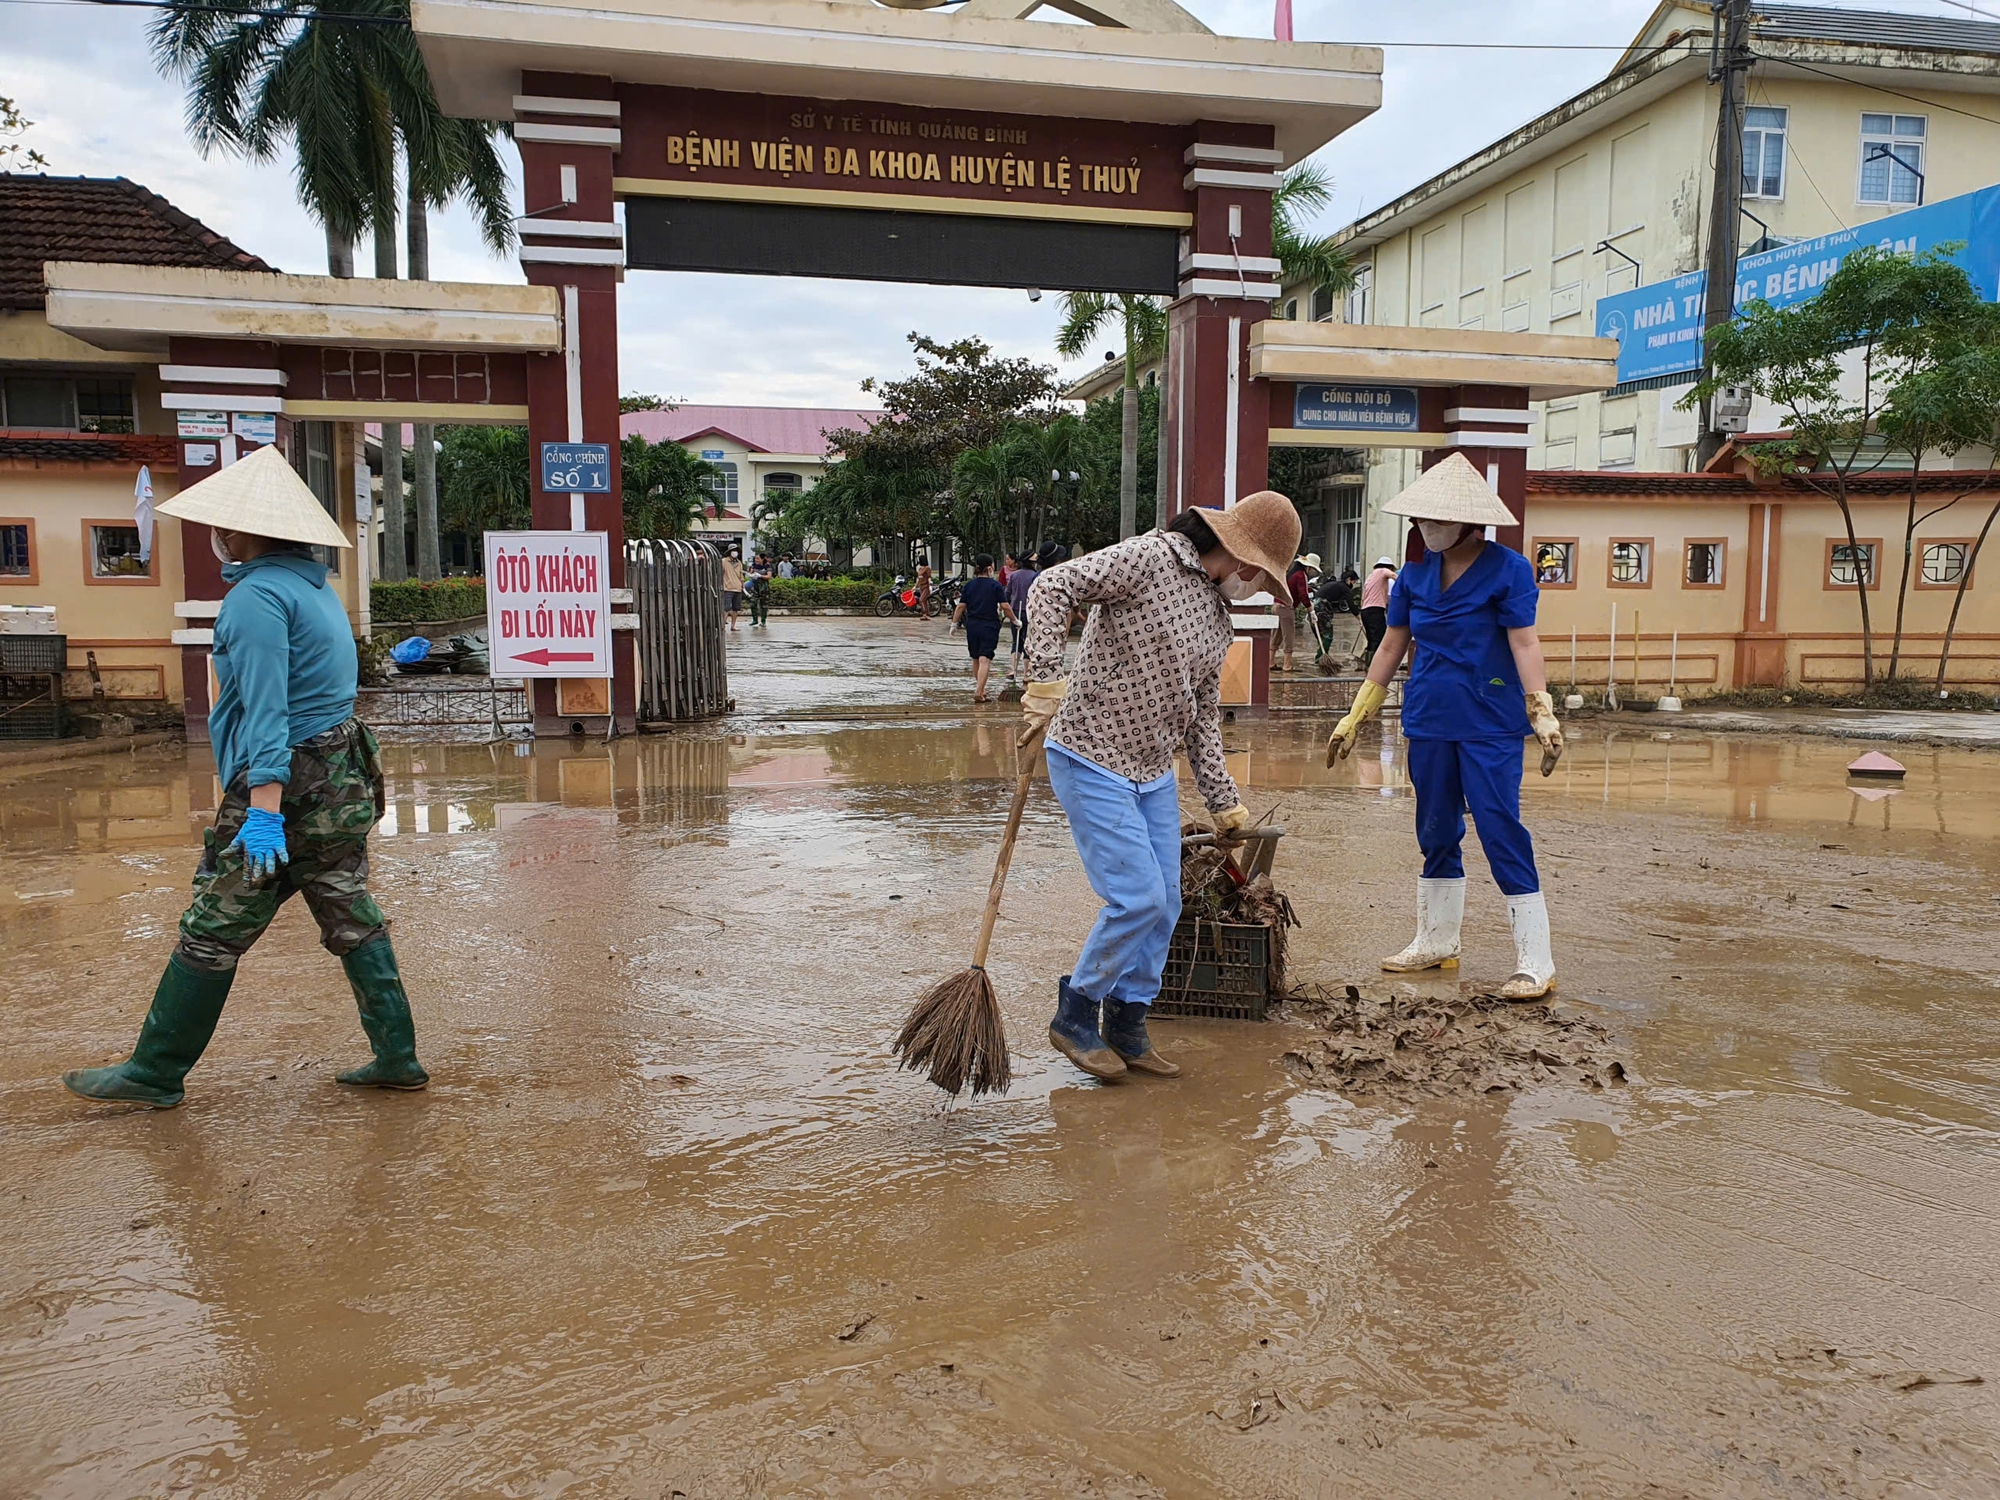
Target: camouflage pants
333, 799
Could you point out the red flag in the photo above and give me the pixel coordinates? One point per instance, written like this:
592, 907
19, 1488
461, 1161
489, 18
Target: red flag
1281, 24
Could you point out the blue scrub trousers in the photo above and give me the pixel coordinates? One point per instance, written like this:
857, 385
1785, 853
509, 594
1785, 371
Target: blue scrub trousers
1128, 834
1451, 776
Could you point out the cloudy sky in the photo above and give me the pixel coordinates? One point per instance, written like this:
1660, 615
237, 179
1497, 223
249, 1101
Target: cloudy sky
83, 75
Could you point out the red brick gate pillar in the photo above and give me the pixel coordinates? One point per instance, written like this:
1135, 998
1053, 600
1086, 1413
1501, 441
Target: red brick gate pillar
1489, 425
224, 397
567, 127
1216, 419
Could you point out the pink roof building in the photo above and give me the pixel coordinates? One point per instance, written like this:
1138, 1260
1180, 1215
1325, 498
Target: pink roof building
793, 431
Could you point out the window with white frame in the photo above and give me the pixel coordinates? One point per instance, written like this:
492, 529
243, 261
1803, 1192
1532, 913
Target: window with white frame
1349, 503
1555, 563
1764, 152
1291, 312
1358, 300
722, 486
1851, 565
1322, 304
1631, 562
1892, 159
1704, 564
16, 556
1944, 562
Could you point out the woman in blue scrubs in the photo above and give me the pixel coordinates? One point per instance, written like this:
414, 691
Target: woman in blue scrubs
1477, 689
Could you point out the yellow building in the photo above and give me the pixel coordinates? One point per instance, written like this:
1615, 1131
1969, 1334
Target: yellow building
78, 424
1851, 116
1721, 580
765, 453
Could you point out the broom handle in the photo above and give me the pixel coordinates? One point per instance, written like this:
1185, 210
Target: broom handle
1027, 777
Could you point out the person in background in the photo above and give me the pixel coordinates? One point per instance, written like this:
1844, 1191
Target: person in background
1146, 684
1375, 603
758, 586
1019, 582
786, 569
732, 585
302, 788
981, 606
924, 588
1007, 566
1477, 688
1297, 596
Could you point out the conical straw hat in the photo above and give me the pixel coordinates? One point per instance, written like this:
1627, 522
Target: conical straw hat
263, 495
1452, 491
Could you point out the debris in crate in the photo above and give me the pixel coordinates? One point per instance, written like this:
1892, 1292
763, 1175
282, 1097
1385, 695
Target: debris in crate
1214, 891
1405, 1045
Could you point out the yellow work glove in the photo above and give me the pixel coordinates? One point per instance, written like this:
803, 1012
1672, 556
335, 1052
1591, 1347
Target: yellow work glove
1542, 719
1039, 702
1367, 703
1230, 823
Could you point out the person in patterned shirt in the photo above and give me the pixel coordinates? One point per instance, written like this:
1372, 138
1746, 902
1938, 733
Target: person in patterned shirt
1147, 683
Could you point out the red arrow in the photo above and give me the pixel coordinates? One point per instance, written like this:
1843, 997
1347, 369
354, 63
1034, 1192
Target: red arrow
542, 656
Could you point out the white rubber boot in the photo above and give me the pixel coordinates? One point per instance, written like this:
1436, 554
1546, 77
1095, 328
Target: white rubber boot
1440, 911
1534, 966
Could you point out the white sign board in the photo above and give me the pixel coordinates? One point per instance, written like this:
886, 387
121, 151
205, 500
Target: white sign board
548, 603
202, 424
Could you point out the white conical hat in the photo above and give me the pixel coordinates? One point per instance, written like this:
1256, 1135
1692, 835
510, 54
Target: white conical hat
1452, 491
263, 495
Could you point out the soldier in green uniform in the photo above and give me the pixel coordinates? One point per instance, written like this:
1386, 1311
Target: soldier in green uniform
302, 788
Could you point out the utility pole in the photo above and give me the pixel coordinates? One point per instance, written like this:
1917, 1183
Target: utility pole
1729, 66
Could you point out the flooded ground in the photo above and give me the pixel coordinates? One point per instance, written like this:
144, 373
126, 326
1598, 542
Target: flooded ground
667, 1221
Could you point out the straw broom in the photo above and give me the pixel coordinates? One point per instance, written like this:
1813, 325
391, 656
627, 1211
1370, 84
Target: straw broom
954, 1033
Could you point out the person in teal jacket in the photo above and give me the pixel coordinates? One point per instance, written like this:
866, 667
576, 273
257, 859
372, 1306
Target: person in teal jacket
302, 788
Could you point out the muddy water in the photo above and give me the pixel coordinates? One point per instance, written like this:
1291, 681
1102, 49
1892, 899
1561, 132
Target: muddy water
668, 1222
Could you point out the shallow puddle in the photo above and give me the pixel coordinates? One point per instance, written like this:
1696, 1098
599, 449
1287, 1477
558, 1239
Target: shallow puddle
669, 1221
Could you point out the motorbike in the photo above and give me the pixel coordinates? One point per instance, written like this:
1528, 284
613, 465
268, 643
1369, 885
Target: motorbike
902, 599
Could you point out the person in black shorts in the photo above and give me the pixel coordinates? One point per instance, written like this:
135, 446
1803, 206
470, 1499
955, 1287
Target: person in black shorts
981, 607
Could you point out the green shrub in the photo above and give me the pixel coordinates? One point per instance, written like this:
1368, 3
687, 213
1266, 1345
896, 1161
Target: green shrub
824, 593
447, 599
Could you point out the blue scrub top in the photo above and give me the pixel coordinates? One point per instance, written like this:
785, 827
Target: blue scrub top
1463, 685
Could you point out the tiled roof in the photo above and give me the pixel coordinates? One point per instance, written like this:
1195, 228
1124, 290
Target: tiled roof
1878, 28
131, 449
1632, 482
97, 219
1718, 486
761, 429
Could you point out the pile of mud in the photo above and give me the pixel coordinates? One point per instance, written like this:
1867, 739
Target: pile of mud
1406, 1045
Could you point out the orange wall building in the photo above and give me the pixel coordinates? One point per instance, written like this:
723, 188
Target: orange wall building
1756, 578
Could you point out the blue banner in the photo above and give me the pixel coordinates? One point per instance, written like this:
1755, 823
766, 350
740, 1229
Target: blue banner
1658, 327
577, 468
1372, 408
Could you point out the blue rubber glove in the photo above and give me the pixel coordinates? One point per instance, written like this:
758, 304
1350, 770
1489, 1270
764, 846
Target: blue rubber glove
262, 840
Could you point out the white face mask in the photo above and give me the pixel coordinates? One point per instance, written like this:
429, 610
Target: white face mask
221, 552
1440, 536
1239, 588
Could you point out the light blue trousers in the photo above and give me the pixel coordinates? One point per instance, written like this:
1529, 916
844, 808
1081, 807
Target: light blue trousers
1128, 835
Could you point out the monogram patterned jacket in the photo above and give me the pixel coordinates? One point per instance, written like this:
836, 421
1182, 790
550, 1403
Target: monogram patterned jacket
1147, 680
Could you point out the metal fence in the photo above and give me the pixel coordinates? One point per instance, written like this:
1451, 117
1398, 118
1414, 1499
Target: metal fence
677, 594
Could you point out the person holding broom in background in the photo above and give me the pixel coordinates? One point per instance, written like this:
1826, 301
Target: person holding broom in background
302, 788
1147, 682
1477, 689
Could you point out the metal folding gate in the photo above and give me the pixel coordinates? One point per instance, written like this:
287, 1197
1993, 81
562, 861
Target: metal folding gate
677, 592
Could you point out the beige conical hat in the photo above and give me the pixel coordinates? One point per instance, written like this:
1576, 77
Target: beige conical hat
1452, 491
263, 495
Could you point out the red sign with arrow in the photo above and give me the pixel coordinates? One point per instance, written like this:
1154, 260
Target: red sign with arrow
548, 603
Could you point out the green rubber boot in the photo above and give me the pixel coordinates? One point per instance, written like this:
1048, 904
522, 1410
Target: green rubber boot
385, 1016
186, 1007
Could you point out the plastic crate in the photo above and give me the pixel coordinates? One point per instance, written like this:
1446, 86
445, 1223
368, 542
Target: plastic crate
1217, 970
36, 716
33, 655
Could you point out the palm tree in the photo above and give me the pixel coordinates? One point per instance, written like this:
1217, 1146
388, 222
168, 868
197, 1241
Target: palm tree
345, 87
1145, 326
667, 489
986, 484
1052, 457
483, 479
1306, 189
